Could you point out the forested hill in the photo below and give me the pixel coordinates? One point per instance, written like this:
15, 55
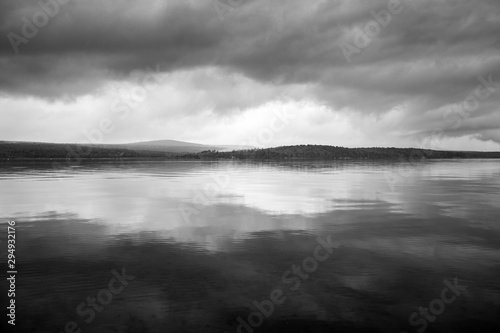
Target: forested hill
41, 150
333, 152
33, 150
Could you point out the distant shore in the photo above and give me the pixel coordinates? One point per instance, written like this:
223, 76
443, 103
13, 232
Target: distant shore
61, 152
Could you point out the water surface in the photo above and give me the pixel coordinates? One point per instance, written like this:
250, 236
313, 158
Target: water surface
205, 240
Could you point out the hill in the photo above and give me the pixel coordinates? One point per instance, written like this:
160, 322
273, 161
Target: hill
319, 152
174, 146
43, 150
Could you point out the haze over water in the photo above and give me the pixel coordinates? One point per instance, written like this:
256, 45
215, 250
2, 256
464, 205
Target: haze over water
198, 267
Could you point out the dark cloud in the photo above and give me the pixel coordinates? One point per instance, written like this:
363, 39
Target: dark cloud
427, 57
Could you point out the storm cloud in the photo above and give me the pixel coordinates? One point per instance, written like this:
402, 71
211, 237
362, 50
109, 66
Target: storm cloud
406, 72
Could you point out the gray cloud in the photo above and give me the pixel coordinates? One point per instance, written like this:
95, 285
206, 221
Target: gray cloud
428, 57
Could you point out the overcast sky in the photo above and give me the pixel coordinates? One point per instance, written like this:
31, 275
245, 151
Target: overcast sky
263, 72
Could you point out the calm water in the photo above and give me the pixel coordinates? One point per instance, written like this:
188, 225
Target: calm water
201, 242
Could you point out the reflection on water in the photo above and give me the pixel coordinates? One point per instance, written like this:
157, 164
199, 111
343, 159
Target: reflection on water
205, 240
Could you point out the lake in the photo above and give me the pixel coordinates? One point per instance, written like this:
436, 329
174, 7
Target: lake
227, 246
